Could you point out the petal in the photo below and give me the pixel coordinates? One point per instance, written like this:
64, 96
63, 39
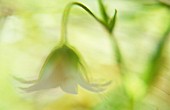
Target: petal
102, 84
46, 83
41, 86
91, 87
23, 80
69, 86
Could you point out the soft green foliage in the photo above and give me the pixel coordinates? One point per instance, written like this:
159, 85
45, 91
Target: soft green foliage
154, 65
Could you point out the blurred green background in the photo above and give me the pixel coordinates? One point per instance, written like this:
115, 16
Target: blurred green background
29, 29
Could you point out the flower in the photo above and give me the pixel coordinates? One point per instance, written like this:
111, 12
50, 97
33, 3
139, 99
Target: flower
64, 68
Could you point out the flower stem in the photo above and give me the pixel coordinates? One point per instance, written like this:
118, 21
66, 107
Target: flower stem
117, 51
66, 16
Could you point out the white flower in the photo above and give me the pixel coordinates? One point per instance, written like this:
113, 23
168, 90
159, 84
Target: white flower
64, 68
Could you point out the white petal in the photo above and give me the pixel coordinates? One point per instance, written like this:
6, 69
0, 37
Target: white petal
85, 84
102, 84
69, 86
41, 86
90, 87
46, 83
24, 80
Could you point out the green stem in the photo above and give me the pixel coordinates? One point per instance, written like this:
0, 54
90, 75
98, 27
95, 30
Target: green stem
116, 50
66, 16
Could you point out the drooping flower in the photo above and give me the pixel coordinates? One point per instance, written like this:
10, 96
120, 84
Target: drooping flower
64, 68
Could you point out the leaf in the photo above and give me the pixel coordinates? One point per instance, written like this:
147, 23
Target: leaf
154, 64
113, 22
103, 11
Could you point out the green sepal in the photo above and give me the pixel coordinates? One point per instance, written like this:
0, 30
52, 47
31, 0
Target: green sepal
103, 11
112, 22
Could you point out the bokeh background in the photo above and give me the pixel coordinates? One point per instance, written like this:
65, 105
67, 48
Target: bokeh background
29, 29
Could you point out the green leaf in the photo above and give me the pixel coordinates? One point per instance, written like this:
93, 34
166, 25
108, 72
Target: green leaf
154, 65
103, 11
112, 22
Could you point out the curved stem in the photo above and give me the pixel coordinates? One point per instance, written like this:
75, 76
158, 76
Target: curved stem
66, 16
116, 49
